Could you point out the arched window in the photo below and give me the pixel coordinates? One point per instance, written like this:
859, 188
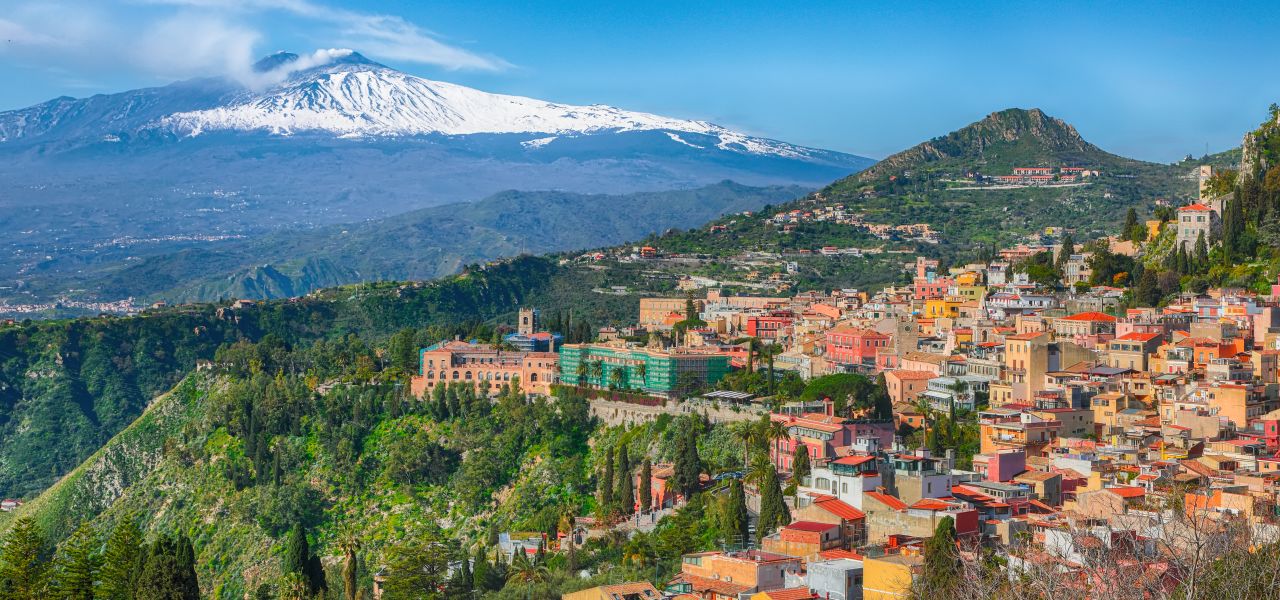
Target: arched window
467, 376
431, 374
533, 377
455, 374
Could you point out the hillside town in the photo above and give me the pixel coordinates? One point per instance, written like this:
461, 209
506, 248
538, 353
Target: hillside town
1088, 420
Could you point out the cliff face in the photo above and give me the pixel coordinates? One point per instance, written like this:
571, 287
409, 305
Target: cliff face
1259, 150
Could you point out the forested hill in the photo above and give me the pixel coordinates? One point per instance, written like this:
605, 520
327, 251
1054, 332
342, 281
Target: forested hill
67, 386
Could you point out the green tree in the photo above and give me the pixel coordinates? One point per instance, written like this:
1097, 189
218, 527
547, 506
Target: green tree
350, 546
1130, 224
169, 572
1148, 291
688, 464
122, 562
941, 561
646, 485
23, 570
773, 507
800, 468
606, 483
299, 559
735, 520
76, 565
626, 495
483, 578
525, 571
1069, 246
1199, 260
416, 569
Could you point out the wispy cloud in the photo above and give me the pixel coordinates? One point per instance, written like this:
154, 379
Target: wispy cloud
379, 35
183, 38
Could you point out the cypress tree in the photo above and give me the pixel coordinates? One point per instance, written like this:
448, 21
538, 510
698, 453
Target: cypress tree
1201, 257
169, 572
941, 560
297, 553
482, 576
773, 508
1130, 224
122, 562
626, 485
465, 579
800, 465
688, 467
646, 485
77, 564
22, 568
736, 520
606, 483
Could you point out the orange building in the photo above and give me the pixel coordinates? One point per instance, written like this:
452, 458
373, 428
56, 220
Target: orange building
477, 364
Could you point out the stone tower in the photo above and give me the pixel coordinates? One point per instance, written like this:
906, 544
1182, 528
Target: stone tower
528, 321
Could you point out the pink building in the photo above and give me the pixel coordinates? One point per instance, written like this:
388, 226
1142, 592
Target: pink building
854, 346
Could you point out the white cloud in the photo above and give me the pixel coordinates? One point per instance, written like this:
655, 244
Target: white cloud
181, 38
380, 36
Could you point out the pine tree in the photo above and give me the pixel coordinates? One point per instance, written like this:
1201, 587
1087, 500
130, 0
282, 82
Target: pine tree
77, 564
626, 485
22, 568
646, 485
122, 562
606, 484
800, 468
464, 580
941, 560
1148, 292
880, 401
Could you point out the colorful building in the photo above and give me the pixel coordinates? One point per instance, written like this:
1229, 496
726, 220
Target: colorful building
457, 362
652, 370
855, 346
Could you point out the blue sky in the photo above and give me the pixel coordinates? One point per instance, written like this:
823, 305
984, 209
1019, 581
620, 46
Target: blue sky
1149, 80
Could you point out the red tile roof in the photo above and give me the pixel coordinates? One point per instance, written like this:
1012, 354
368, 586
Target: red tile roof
1127, 492
853, 460
811, 526
908, 374
834, 554
887, 500
801, 593
1139, 337
1091, 316
838, 507
1197, 206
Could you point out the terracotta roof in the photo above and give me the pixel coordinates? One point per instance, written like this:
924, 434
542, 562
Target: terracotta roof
1138, 337
810, 526
908, 374
834, 554
931, 504
1197, 207
707, 584
838, 507
1091, 316
800, 593
853, 460
887, 500
1127, 492
1022, 337
639, 587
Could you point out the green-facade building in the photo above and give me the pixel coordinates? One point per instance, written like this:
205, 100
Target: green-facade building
655, 371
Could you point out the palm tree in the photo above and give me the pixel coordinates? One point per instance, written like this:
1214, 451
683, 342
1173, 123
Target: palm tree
615, 377
526, 571
596, 370
772, 431
642, 371
582, 372
760, 471
747, 432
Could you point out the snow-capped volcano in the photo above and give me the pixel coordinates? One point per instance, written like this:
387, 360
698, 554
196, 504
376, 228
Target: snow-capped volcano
353, 96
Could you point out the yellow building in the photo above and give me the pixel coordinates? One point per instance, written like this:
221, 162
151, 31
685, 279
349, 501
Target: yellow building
889, 577
943, 308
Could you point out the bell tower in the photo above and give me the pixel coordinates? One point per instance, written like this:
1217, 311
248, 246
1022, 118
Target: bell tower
528, 323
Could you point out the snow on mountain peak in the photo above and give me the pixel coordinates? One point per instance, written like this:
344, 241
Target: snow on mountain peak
345, 94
